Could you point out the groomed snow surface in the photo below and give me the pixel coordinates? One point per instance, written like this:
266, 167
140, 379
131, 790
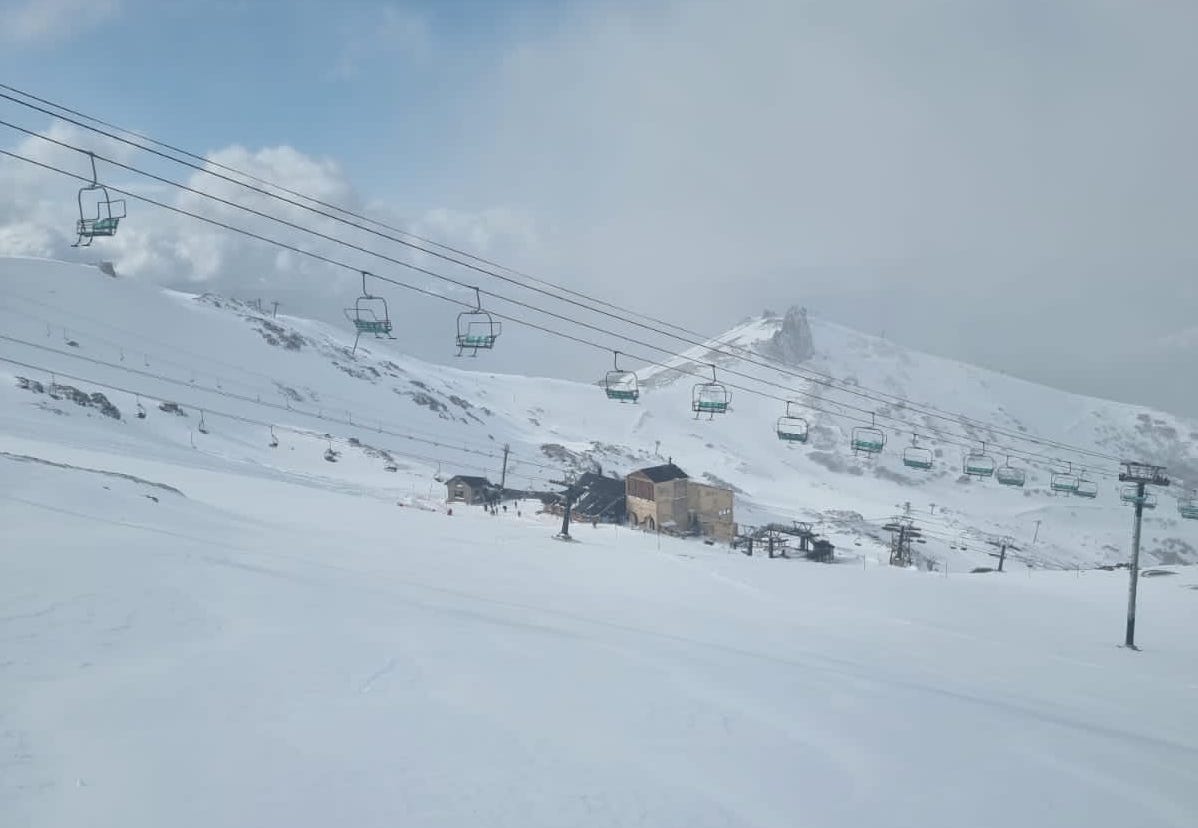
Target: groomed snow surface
239, 635
253, 652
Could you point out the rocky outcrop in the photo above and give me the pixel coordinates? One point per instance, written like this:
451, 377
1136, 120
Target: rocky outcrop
792, 342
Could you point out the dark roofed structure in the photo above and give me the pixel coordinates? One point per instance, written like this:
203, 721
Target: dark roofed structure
660, 474
600, 498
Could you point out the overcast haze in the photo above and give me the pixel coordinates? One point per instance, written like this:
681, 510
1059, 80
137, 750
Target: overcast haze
1011, 183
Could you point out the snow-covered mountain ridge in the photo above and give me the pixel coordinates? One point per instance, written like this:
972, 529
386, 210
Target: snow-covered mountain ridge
225, 359
207, 622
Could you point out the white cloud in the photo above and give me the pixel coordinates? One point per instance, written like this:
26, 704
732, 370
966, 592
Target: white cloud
25, 238
940, 171
36, 21
157, 245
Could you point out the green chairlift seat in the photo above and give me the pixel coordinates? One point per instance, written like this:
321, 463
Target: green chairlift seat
622, 394
369, 315
378, 327
792, 428
620, 386
1130, 494
979, 463
710, 398
1064, 482
916, 456
472, 340
477, 329
99, 213
869, 440
92, 228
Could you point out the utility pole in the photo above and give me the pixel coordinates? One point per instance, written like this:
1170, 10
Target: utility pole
1003, 545
1139, 475
274, 311
570, 494
503, 474
1037, 534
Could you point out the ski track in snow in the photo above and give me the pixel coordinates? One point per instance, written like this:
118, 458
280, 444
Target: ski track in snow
301, 643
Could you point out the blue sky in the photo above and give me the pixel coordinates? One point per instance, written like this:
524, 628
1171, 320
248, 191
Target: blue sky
375, 85
941, 172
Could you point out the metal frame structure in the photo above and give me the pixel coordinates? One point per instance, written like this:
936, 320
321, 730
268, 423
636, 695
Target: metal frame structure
916, 456
1187, 507
1132, 495
1138, 476
1065, 482
792, 429
979, 463
1086, 488
868, 439
369, 315
1008, 475
710, 398
477, 329
104, 223
620, 385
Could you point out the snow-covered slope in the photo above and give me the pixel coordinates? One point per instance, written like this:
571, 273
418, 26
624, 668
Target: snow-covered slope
228, 358
245, 635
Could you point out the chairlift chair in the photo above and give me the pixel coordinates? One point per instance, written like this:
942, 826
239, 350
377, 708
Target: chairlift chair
274, 441
1086, 488
1066, 481
710, 398
868, 439
202, 427
791, 428
141, 411
1009, 475
979, 463
99, 214
369, 315
620, 385
476, 328
1187, 507
1130, 494
916, 456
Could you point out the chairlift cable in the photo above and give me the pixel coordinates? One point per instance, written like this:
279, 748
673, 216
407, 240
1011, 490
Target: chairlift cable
948, 438
811, 376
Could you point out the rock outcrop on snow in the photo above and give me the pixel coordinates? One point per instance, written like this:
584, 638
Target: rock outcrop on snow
792, 343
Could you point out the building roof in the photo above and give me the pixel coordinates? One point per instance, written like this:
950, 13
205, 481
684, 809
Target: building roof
660, 474
469, 480
600, 496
